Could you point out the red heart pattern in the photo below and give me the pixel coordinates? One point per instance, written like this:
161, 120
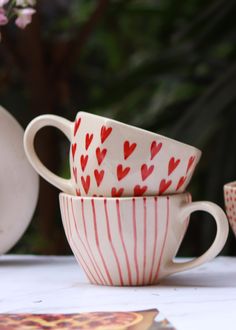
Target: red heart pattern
155, 148
77, 125
117, 192
75, 173
190, 163
128, 149
173, 163
100, 154
99, 176
86, 183
164, 185
146, 171
88, 140
181, 182
73, 149
139, 191
122, 172
105, 132
230, 205
83, 161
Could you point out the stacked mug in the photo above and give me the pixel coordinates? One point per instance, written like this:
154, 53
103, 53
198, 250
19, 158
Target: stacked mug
125, 209
230, 203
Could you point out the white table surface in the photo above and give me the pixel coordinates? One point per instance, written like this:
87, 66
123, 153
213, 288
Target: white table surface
202, 298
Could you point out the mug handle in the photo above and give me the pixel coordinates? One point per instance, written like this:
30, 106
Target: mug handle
222, 227
34, 126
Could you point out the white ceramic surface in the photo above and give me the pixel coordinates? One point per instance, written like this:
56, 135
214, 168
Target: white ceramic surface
110, 158
19, 183
132, 241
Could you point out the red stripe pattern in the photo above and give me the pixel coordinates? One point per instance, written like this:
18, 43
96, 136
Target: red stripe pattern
123, 242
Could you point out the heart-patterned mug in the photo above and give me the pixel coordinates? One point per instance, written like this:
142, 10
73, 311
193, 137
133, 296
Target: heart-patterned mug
110, 158
133, 240
230, 203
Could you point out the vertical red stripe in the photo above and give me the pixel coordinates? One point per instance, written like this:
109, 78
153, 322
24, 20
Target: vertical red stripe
187, 219
68, 218
78, 255
84, 246
164, 242
65, 219
98, 244
111, 244
144, 237
101, 279
135, 241
122, 241
155, 240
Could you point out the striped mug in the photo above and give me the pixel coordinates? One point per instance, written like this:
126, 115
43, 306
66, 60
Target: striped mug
132, 241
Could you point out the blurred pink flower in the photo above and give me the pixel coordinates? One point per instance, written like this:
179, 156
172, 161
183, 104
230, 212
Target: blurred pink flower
3, 17
3, 2
24, 17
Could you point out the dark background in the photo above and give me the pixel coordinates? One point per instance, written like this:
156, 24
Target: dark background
168, 66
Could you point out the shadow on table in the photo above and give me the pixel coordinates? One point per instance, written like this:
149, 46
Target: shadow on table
37, 261
213, 280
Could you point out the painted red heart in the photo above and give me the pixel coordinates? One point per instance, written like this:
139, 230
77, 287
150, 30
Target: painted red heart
122, 172
181, 182
85, 183
83, 161
99, 176
155, 148
139, 191
164, 185
128, 149
100, 155
78, 193
190, 163
117, 193
173, 163
73, 149
105, 132
75, 173
88, 140
77, 125
146, 171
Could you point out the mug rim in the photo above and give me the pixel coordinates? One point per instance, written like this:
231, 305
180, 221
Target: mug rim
133, 127
126, 198
230, 185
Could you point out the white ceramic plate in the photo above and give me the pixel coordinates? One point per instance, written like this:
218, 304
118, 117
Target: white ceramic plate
19, 183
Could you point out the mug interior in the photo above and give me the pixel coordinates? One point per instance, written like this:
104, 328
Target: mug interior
142, 131
230, 185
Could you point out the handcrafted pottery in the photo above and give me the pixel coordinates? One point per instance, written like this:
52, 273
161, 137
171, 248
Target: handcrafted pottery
132, 241
109, 158
230, 203
19, 183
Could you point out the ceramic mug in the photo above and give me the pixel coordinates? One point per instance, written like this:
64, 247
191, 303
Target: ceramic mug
132, 241
109, 158
230, 203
